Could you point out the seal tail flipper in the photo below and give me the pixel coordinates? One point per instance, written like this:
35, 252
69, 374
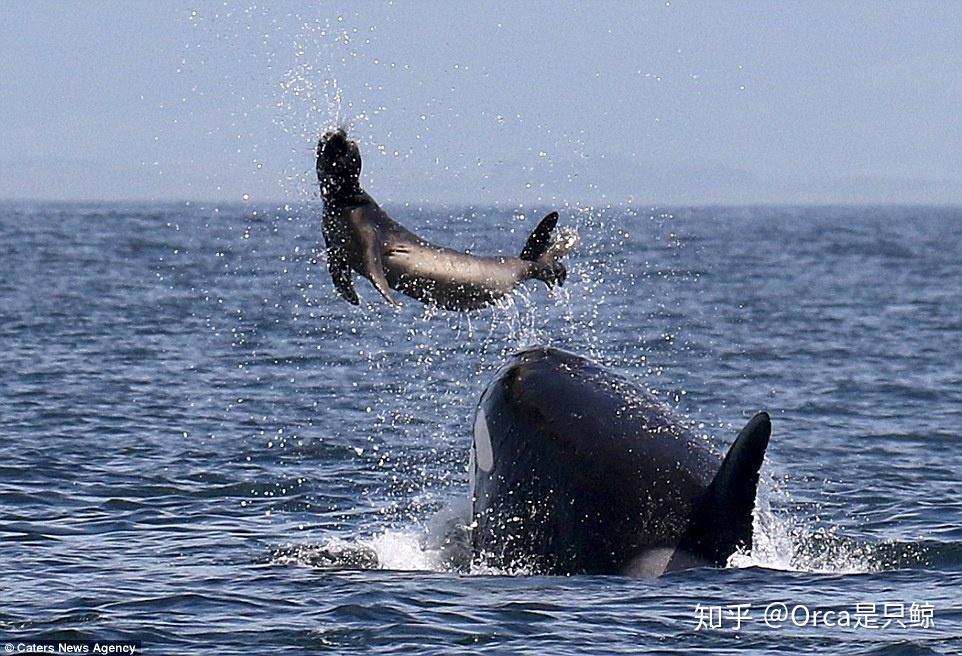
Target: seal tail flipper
545, 252
549, 266
721, 520
539, 240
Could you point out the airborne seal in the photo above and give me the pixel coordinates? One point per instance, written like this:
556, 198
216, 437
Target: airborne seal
362, 238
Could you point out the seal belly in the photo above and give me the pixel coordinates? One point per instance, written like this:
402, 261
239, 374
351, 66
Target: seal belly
449, 279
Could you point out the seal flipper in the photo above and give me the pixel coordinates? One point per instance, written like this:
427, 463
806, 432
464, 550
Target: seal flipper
338, 264
540, 239
721, 520
340, 272
373, 269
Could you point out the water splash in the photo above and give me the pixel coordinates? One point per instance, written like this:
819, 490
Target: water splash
790, 543
442, 544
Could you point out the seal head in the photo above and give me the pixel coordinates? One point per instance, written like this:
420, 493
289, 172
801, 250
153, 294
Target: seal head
338, 164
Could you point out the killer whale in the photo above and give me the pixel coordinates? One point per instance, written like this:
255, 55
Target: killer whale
576, 470
362, 238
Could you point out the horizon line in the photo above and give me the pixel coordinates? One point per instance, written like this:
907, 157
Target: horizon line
498, 205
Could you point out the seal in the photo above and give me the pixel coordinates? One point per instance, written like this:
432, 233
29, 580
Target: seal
362, 238
576, 470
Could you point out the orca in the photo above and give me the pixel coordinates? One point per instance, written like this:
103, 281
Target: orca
577, 470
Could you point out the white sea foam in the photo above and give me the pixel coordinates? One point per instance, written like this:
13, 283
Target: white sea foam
787, 543
442, 544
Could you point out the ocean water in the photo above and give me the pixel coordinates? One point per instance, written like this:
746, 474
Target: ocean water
202, 446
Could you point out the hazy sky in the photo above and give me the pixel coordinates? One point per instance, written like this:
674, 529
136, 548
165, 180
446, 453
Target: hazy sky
514, 102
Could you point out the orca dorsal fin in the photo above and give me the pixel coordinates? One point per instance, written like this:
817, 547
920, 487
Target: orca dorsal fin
540, 238
721, 520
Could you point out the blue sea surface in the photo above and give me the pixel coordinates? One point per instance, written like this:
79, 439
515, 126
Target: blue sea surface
202, 446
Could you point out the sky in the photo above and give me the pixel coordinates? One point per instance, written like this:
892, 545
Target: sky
533, 103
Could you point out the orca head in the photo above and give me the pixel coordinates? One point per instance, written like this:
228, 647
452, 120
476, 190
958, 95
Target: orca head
338, 163
506, 415
514, 446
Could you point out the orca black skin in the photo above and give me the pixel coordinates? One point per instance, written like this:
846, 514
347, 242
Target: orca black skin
576, 470
362, 238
